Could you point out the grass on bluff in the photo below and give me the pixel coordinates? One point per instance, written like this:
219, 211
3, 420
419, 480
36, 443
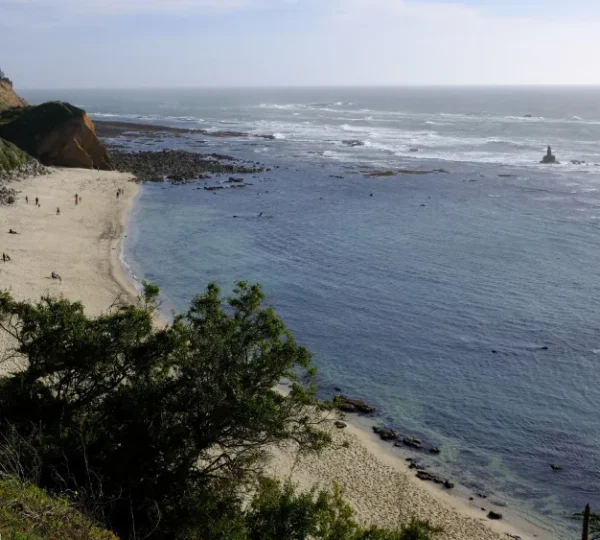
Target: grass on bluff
25, 125
11, 157
29, 513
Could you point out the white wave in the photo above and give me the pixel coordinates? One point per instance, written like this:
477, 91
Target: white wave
279, 135
352, 129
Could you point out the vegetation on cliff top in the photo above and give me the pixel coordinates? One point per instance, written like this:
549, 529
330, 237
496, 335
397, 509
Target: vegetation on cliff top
163, 433
29, 513
11, 157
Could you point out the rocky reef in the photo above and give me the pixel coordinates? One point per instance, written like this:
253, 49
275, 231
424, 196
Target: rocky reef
55, 133
179, 166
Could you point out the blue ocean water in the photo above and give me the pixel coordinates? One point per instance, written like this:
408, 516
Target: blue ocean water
403, 286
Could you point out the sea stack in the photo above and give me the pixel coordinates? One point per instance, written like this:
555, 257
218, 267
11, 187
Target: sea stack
549, 158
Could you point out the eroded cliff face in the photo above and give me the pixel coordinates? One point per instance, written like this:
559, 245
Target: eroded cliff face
55, 133
9, 98
73, 144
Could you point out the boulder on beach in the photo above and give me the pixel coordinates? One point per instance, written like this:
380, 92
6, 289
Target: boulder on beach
340, 425
494, 515
386, 434
349, 405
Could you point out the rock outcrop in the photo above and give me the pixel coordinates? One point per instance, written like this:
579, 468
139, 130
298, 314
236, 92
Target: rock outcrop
549, 158
345, 404
55, 133
8, 97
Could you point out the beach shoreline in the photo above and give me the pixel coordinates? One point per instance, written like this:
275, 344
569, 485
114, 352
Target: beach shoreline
84, 245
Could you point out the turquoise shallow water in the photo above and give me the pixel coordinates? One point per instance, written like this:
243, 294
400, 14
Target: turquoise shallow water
402, 296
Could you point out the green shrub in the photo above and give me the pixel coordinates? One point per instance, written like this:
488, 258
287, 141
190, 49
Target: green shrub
162, 433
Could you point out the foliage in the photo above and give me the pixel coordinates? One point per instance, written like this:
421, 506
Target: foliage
279, 511
161, 433
29, 513
24, 126
11, 157
156, 431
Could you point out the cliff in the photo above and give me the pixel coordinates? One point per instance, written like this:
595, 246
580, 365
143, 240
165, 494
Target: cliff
8, 97
56, 133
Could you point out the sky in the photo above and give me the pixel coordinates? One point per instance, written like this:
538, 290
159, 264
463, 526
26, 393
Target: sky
208, 43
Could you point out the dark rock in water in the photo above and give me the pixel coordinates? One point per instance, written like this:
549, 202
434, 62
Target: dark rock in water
353, 142
413, 442
423, 205
235, 180
176, 177
429, 477
577, 162
413, 149
528, 116
385, 434
448, 484
471, 498
435, 451
544, 348
346, 404
409, 459
482, 495
494, 515
556, 467
337, 389
494, 351
340, 425
549, 158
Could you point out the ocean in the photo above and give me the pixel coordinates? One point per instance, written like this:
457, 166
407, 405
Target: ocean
464, 304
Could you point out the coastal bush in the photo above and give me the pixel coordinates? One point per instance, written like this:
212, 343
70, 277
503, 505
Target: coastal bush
153, 427
162, 432
279, 511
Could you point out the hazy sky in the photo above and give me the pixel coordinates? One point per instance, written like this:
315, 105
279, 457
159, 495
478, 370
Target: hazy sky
172, 43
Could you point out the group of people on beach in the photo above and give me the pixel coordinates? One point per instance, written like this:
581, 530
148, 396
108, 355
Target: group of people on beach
6, 258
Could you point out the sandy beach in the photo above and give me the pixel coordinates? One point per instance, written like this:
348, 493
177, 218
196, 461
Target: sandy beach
82, 244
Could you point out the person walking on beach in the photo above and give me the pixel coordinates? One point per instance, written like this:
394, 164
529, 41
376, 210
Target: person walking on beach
5, 257
76, 199
57, 211
26, 199
37, 201
118, 193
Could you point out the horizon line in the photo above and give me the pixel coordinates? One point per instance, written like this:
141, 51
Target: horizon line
317, 87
